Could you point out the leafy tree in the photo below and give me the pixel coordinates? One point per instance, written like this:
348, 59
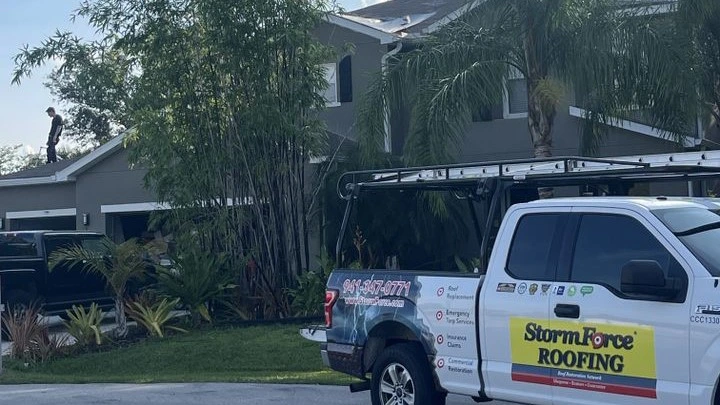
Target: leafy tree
10, 159
119, 264
93, 78
224, 97
616, 56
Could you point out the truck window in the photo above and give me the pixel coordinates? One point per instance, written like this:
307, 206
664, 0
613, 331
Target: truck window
410, 230
605, 243
699, 230
93, 244
532, 245
55, 243
18, 245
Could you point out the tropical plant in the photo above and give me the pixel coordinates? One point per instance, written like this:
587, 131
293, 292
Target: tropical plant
119, 264
154, 317
46, 345
84, 326
196, 279
31, 338
22, 326
461, 68
309, 296
697, 24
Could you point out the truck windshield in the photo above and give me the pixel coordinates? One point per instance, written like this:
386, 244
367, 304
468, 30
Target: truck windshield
699, 230
17, 245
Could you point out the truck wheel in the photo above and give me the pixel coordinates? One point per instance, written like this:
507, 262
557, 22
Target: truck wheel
402, 376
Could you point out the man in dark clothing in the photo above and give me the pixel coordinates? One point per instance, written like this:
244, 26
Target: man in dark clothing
54, 137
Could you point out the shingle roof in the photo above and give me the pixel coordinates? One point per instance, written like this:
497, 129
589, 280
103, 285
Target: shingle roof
408, 16
64, 170
41, 171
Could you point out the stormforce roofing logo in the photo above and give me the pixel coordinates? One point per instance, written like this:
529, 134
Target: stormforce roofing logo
588, 337
610, 358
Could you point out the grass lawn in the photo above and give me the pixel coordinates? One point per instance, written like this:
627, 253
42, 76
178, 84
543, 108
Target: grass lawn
267, 354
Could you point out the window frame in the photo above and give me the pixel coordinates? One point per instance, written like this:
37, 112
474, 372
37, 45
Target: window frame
515, 74
570, 245
332, 66
555, 245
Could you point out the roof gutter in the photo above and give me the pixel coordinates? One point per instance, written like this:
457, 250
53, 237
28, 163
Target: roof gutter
384, 63
31, 181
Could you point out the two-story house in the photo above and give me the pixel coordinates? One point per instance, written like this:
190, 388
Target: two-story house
101, 192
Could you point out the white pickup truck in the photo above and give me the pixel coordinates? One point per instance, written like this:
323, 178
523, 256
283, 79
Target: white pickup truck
587, 300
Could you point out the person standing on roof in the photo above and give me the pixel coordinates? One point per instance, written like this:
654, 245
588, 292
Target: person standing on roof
54, 137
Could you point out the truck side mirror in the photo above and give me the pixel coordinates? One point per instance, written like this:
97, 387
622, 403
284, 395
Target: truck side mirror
646, 277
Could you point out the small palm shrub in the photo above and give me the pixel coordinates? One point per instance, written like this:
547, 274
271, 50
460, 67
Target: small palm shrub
154, 318
84, 326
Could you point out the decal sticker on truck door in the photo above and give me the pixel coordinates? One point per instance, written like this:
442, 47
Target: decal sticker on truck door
618, 359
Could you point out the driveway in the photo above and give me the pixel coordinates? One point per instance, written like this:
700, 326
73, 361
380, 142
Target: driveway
181, 394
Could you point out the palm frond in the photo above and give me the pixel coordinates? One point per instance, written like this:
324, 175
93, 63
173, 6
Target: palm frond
89, 261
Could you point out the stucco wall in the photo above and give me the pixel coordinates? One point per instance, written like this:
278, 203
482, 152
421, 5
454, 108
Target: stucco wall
366, 53
109, 182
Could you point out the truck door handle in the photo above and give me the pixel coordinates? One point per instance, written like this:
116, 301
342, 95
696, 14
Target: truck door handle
567, 311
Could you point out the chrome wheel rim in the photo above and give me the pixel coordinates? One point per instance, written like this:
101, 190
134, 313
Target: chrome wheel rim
396, 386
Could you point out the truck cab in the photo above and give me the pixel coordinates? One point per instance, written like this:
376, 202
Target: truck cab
596, 300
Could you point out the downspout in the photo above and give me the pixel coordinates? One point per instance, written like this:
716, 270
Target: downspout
384, 63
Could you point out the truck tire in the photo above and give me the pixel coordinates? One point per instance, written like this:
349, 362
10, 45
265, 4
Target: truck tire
402, 376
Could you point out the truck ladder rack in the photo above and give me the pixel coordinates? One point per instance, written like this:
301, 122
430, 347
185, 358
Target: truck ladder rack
651, 167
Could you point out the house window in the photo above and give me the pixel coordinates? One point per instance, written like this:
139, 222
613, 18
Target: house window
331, 91
516, 98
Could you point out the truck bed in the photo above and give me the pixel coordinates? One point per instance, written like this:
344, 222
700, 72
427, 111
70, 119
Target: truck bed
436, 309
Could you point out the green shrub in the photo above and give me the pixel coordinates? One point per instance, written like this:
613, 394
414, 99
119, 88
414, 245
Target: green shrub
309, 296
197, 278
154, 317
85, 326
22, 326
32, 341
46, 345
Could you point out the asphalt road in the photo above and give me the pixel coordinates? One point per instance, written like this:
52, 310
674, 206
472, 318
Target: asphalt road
181, 394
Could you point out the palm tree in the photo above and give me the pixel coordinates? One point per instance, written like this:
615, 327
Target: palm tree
698, 23
601, 49
117, 263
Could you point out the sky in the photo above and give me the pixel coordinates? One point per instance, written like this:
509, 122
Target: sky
29, 22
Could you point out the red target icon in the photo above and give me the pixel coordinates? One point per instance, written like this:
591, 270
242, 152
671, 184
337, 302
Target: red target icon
440, 339
439, 315
440, 291
598, 340
441, 363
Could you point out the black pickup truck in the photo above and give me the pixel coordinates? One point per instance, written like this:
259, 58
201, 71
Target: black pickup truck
25, 277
